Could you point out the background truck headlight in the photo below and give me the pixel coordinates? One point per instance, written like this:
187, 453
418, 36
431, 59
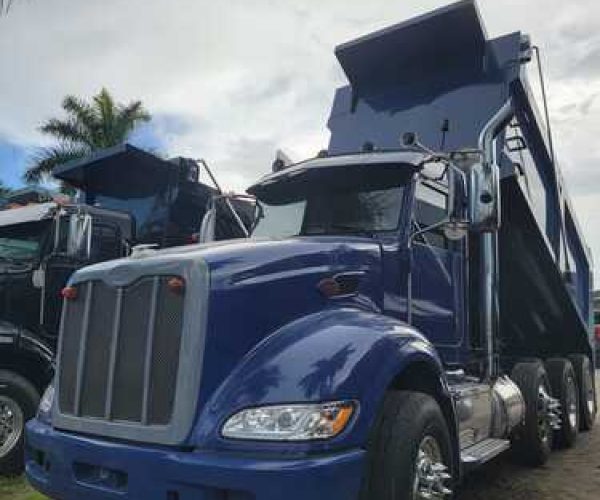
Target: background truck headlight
292, 422
45, 408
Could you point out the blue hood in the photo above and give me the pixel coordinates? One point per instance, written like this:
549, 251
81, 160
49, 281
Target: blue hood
259, 286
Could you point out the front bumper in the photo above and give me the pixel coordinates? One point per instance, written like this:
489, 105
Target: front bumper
67, 466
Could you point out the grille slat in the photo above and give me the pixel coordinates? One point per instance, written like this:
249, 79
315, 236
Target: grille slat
97, 351
149, 347
121, 347
113, 354
82, 346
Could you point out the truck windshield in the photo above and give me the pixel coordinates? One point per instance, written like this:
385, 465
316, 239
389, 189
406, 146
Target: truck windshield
22, 241
356, 210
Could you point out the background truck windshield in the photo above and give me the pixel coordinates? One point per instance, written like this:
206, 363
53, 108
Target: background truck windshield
22, 241
332, 212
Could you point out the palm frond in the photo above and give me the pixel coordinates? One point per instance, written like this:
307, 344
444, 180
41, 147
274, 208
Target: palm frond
128, 117
68, 131
85, 115
48, 158
105, 108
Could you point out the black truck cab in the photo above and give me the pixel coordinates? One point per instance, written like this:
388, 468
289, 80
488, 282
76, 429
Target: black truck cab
125, 197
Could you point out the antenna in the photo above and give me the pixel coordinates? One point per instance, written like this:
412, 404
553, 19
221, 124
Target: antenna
444, 129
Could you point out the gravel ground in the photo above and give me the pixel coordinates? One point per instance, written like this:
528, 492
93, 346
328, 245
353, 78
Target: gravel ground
569, 475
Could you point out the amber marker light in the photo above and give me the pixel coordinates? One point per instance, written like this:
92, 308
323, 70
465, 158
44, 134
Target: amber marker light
69, 293
176, 285
340, 418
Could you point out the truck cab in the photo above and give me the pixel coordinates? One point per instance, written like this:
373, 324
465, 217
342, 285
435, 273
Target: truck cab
41, 245
411, 304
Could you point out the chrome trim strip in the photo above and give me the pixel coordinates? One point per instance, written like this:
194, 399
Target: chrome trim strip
112, 362
82, 347
149, 348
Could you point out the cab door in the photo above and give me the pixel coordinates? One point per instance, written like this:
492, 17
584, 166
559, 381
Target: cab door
437, 282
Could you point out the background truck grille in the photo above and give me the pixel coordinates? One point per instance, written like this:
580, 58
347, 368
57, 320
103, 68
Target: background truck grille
120, 350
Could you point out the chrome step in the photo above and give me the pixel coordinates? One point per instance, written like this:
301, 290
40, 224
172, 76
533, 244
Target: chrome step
482, 452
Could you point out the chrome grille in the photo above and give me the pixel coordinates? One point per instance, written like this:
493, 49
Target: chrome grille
120, 350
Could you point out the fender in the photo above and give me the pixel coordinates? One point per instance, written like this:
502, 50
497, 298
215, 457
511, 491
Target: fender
25, 353
335, 354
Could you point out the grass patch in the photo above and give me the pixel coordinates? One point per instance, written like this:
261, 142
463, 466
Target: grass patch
16, 488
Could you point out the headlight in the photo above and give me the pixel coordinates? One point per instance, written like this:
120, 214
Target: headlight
293, 422
45, 408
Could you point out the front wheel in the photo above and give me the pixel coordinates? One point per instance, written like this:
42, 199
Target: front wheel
19, 400
410, 453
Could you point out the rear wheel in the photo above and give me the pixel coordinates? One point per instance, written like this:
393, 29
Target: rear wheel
410, 452
18, 403
564, 388
531, 442
587, 390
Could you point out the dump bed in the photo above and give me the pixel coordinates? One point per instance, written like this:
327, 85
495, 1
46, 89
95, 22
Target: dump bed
440, 76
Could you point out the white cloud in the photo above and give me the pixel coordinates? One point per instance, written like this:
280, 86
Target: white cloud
233, 80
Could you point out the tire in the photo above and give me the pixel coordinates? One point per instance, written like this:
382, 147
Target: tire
531, 442
19, 397
408, 422
564, 388
588, 405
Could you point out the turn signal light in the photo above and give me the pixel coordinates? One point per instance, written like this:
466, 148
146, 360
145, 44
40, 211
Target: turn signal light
176, 285
69, 293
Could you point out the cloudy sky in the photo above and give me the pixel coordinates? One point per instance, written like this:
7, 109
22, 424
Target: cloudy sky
233, 80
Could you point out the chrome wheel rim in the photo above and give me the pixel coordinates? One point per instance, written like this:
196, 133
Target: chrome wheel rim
589, 392
571, 406
542, 418
11, 424
430, 472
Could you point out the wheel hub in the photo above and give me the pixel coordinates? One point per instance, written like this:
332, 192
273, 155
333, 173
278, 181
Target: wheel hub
549, 411
572, 403
431, 475
11, 424
591, 400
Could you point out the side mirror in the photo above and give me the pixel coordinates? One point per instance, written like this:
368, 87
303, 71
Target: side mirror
457, 224
484, 198
80, 236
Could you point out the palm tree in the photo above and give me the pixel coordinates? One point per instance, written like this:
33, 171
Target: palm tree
88, 127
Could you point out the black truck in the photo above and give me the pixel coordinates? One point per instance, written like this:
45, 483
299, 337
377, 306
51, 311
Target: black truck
128, 199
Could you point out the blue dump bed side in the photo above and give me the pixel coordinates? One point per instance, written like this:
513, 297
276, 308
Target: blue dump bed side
441, 71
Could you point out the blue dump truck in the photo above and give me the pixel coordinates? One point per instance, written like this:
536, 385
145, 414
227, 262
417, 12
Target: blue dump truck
414, 301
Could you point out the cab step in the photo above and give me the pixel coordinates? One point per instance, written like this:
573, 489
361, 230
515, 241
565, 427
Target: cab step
482, 452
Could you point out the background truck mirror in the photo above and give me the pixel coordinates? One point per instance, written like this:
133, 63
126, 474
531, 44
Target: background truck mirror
484, 198
457, 225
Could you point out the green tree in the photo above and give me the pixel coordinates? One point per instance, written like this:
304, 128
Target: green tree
89, 126
4, 189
